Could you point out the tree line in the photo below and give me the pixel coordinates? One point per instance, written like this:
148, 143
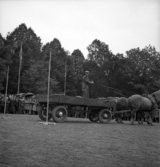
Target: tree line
136, 72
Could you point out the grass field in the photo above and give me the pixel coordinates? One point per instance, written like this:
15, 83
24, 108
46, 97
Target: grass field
77, 143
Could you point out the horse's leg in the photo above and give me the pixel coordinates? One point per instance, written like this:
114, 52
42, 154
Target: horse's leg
75, 114
121, 118
138, 117
150, 118
142, 117
148, 121
133, 112
116, 118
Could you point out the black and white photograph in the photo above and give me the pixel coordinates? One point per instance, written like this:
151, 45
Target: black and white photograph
79, 83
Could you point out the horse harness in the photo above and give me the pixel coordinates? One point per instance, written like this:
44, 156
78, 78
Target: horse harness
154, 96
153, 101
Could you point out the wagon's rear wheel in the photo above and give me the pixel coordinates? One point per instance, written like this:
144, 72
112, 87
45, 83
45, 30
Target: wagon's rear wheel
43, 113
59, 114
105, 116
93, 117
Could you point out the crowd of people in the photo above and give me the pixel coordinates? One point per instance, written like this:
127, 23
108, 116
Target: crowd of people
18, 104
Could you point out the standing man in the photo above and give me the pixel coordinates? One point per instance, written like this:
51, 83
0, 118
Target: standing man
86, 84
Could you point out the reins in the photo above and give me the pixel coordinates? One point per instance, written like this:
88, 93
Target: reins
112, 89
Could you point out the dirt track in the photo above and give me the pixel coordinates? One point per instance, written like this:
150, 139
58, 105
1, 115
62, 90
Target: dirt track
77, 143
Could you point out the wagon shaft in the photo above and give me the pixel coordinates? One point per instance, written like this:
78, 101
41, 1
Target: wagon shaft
122, 111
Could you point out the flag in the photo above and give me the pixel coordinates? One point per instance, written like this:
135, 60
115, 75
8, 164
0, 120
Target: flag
20, 57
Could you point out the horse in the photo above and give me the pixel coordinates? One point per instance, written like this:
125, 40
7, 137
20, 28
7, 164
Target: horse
143, 104
121, 104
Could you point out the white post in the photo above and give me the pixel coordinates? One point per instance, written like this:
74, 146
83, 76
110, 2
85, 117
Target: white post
49, 73
20, 64
46, 123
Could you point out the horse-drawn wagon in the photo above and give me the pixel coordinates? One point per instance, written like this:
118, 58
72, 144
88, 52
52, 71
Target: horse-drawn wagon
61, 106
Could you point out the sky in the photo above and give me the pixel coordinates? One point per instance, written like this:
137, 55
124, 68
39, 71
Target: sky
121, 24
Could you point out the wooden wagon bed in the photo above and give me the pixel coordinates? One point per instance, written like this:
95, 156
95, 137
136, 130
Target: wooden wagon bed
77, 101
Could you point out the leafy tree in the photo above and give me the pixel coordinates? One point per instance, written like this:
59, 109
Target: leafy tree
139, 89
35, 79
144, 67
78, 69
71, 80
59, 59
99, 52
31, 45
4, 62
78, 60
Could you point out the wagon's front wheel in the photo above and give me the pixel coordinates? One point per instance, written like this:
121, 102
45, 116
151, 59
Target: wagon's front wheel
105, 116
43, 113
93, 117
59, 114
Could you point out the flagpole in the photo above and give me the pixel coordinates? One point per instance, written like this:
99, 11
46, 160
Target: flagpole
48, 92
20, 64
6, 92
49, 73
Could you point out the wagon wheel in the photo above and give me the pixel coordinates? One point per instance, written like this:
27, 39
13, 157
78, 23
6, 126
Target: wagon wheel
105, 116
93, 117
59, 114
43, 113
